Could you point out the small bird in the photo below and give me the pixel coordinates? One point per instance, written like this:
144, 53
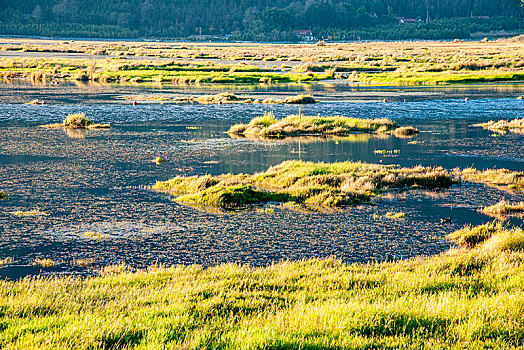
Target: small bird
445, 220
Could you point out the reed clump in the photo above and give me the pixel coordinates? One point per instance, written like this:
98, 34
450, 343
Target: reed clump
511, 180
307, 183
515, 125
504, 208
493, 236
77, 121
300, 125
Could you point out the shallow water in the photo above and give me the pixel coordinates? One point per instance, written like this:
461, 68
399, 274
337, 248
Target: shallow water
93, 185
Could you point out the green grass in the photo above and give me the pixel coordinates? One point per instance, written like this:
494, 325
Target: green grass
268, 126
308, 183
464, 299
436, 78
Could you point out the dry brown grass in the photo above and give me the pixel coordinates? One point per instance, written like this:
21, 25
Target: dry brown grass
504, 208
512, 180
515, 125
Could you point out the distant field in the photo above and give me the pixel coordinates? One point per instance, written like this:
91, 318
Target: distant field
375, 63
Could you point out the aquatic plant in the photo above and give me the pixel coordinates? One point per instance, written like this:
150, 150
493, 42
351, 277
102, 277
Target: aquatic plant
2, 195
515, 125
44, 262
34, 212
468, 297
6, 261
77, 121
300, 125
405, 131
393, 215
511, 180
308, 183
300, 99
503, 208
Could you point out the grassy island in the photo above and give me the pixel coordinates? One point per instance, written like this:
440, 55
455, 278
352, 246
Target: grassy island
503, 126
501, 178
314, 184
504, 208
468, 298
269, 126
77, 121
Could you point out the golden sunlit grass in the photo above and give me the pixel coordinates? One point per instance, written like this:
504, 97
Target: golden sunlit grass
515, 125
504, 178
77, 121
268, 126
504, 208
308, 183
44, 262
469, 298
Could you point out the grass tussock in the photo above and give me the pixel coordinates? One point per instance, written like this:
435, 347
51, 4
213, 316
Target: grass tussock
3, 195
504, 208
269, 126
493, 236
396, 216
44, 263
308, 183
77, 121
512, 180
468, 298
515, 125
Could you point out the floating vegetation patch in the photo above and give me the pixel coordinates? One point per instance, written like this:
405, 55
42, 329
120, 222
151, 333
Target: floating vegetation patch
44, 262
300, 125
504, 208
3, 195
223, 98
113, 230
503, 126
34, 212
77, 121
394, 215
504, 178
6, 261
36, 102
307, 183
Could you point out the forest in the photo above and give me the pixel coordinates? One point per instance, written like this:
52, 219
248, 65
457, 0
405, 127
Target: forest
261, 20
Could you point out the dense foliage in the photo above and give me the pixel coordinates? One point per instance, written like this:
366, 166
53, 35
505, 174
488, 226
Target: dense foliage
255, 19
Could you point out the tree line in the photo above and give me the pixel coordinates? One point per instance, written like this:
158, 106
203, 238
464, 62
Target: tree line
246, 19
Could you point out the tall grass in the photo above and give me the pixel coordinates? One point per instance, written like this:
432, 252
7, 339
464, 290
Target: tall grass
464, 299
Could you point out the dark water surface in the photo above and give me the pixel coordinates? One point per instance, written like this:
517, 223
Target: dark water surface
93, 185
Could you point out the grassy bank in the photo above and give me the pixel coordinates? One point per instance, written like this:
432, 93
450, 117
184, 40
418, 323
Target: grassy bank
308, 183
464, 299
374, 63
300, 125
138, 71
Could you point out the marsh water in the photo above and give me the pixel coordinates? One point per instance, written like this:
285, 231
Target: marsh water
93, 186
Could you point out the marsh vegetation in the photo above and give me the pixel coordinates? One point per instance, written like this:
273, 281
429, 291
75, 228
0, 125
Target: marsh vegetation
77, 121
502, 178
397, 63
516, 125
504, 208
467, 297
308, 183
301, 125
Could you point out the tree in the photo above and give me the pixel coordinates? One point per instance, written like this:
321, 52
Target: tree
37, 13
